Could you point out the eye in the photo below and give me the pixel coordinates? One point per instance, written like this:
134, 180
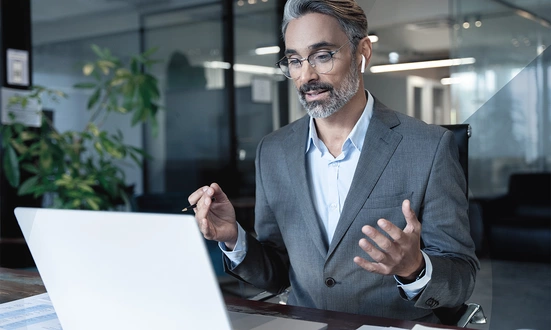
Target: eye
321, 57
293, 62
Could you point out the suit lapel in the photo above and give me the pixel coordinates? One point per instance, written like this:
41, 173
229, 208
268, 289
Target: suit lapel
379, 146
294, 151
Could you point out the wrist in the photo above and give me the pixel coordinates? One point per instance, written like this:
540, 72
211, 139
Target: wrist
230, 245
416, 275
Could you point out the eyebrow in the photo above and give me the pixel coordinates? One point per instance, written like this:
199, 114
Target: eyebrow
318, 45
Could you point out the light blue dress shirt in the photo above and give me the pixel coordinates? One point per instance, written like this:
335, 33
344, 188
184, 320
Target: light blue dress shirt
330, 179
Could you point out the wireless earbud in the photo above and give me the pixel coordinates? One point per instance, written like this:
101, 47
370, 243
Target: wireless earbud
362, 70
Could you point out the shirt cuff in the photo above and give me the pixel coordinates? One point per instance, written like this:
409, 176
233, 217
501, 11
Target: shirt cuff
238, 254
412, 289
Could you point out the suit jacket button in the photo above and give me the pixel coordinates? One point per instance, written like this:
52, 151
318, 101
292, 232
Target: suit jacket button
330, 282
431, 302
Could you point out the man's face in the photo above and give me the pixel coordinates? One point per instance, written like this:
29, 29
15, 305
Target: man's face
322, 94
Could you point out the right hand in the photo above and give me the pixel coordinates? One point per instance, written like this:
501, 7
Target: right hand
216, 219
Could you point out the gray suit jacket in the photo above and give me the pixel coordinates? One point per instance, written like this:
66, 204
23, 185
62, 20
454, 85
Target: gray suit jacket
402, 158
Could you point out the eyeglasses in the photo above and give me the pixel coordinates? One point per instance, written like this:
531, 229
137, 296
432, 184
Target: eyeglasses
321, 61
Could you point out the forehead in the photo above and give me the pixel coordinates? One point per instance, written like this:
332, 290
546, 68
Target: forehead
312, 29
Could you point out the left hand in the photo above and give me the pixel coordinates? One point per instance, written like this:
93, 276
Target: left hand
399, 255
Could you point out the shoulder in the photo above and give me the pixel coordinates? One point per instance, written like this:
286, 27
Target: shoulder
298, 128
411, 129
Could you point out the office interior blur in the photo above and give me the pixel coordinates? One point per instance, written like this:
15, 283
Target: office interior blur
481, 62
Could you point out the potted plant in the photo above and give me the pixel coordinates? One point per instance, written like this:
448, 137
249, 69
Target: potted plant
83, 169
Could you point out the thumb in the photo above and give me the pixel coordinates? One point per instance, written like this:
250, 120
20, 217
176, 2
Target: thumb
409, 215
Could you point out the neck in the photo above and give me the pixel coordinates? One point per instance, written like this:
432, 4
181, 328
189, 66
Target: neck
334, 129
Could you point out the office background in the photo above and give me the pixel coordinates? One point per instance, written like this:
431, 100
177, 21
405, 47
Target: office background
221, 97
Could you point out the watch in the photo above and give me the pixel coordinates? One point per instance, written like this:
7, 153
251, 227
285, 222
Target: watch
405, 281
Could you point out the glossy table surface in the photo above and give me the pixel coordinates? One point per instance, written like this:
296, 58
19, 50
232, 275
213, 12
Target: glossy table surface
17, 284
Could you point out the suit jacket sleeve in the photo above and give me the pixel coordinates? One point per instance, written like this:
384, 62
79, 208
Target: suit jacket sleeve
445, 231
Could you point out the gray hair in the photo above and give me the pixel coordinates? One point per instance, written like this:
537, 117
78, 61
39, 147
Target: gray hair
348, 13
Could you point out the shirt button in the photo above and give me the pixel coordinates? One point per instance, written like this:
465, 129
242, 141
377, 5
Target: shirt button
330, 282
334, 205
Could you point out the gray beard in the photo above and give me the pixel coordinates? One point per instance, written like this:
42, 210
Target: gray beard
337, 97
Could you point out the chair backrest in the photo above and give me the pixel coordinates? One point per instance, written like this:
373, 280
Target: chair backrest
463, 314
462, 133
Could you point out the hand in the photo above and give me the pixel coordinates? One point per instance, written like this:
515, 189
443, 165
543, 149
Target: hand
400, 255
216, 219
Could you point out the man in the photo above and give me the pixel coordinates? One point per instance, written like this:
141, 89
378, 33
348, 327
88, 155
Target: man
358, 208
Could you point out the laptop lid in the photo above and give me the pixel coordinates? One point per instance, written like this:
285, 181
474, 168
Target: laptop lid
118, 270
123, 270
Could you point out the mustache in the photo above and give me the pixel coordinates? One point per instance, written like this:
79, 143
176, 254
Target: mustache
315, 86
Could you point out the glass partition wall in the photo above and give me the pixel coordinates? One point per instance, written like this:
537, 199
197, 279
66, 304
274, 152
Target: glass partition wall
219, 84
504, 95
193, 143
210, 128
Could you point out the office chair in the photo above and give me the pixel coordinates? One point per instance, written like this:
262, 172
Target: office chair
466, 313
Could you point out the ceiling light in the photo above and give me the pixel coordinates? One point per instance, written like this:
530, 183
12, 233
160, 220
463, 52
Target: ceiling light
422, 65
450, 81
242, 67
373, 37
532, 17
255, 69
393, 57
267, 50
466, 25
478, 23
216, 65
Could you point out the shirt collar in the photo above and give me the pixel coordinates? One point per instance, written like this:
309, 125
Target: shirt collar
356, 136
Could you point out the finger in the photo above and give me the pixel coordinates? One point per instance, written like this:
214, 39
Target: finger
411, 219
205, 229
372, 267
216, 191
391, 229
375, 254
381, 240
196, 195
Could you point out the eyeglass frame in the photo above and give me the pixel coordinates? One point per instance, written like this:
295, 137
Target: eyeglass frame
307, 58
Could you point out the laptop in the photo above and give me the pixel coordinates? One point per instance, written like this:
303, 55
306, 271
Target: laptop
124, 270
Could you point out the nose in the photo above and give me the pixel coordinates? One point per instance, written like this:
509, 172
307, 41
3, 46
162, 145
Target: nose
307, 73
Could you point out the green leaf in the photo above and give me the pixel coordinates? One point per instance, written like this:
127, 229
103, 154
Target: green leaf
134, 67
97, 50
150, 51
85, 85
85, 187
27, 187
92, 204
29, 168
11, 166
27, 135
94, 98
20, 147
117, 82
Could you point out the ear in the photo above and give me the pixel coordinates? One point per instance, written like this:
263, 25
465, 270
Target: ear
364, 48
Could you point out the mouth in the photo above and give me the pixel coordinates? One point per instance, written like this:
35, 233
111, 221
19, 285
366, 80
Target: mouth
315, 95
